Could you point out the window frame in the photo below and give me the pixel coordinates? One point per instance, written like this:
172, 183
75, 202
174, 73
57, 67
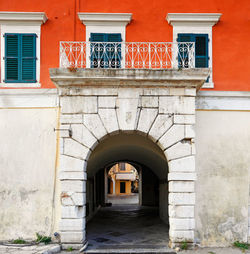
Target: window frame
19, 57
111, 23
196, 23
21, 23
197, 31
193, 39
122, 166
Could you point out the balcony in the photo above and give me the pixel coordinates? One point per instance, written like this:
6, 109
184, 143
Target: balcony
126, 176
128, 55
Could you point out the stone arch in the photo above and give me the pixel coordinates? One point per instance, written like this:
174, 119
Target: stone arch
135, 148
99, 102
128, 146
166, 120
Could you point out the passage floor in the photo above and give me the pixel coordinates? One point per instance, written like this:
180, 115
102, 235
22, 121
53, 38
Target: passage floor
127, 227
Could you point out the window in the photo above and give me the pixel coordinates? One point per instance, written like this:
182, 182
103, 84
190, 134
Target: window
196, 27
114, 26
20, 48
105, 50
201, 47
20, 58
122, 166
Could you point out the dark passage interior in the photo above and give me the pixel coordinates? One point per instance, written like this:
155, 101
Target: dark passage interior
126, 210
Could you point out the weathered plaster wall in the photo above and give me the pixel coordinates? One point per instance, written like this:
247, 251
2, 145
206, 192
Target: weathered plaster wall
222, 187
27, 172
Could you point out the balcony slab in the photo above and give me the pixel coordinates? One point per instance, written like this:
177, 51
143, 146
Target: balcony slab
69, 77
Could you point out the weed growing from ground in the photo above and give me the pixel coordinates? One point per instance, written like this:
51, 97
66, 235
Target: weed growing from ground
42, 238
19, 241
184, 245
243, 246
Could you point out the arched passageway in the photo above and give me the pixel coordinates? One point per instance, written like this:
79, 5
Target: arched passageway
140, 152
131, 117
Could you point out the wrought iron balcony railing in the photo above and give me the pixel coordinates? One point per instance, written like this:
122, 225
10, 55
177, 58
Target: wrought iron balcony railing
138, 55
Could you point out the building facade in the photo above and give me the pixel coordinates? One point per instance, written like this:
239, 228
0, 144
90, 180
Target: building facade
123, 179
160, 84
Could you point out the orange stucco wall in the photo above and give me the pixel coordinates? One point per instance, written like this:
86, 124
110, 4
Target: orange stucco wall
231, 53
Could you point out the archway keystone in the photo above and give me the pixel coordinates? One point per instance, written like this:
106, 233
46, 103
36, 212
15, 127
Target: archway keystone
159, 104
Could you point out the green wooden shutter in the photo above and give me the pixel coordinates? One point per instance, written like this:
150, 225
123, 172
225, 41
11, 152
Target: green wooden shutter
28, 57
11, 57
97, 50
114, 37
20, 58
185, 38
114, 52
201, 50
183, 59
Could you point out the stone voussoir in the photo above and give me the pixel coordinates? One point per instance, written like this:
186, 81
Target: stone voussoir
83, 135
75, 149
147, 117
173, 135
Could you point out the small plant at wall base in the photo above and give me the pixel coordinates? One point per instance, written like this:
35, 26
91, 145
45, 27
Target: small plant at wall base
243, 246
19, 241
42, 239
70, 249
184, 245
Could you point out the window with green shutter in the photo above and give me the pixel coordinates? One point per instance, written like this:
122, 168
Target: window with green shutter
20, 58
201, 47
104, 54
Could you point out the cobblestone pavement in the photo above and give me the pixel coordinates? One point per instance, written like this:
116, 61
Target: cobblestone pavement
34, 249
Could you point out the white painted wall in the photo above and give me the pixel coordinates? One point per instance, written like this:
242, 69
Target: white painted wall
27, 172
222, 187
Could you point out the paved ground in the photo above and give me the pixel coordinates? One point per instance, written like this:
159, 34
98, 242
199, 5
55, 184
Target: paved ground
127, 227
132, 199
200, 251
215, 251
34, 249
